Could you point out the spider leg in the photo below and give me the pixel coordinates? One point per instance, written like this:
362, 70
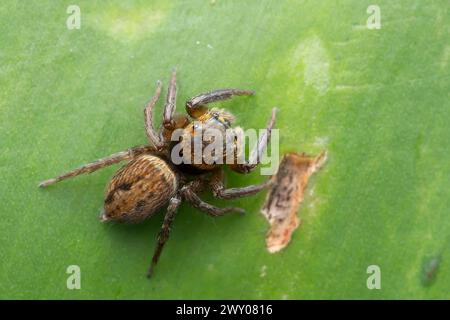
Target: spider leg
198, 104
170, 106
256, 154
100, 163
152, 134
193, 198
164, 231
219, 190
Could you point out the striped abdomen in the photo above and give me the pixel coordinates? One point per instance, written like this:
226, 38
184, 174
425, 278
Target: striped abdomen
139, 189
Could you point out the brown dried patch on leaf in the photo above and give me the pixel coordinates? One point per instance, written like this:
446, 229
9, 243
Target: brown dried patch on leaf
285, 196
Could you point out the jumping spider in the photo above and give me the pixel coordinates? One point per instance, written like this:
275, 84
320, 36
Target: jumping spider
151, 180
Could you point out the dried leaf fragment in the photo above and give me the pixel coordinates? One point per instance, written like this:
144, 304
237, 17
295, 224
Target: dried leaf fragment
285, 196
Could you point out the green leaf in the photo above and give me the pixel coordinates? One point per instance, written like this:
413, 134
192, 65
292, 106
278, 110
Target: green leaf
377, 100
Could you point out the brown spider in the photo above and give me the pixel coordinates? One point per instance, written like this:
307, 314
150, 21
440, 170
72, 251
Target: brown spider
151, 180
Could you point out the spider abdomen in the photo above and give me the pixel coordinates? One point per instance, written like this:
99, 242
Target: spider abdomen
139, 189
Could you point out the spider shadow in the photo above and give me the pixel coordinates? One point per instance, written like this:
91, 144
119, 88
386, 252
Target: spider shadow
146, 232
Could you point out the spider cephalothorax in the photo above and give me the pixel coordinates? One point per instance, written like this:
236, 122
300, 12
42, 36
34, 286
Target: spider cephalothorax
152, 180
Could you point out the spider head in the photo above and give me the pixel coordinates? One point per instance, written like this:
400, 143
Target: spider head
207, 135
